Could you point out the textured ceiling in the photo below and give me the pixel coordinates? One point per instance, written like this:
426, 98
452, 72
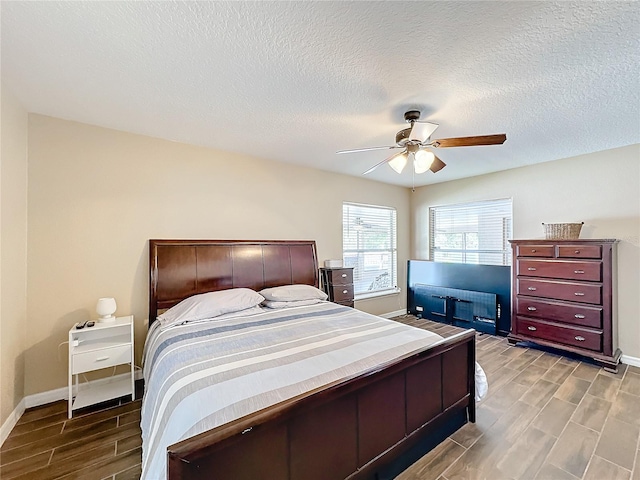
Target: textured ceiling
297, 81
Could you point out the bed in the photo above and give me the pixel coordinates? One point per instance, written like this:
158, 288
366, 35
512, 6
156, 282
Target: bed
365, 416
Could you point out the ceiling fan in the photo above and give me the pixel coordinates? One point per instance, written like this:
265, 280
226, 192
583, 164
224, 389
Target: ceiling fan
415, 142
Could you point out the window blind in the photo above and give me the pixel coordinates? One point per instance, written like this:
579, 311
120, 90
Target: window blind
471, 232
369, 244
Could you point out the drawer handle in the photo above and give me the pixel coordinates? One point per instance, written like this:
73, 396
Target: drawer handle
344, 275
531, 269
579, 294
578, 271
533, 250
101, 359
533, 289
577, 252
533, 329
579, 338
532, 309
578, 315
345, 291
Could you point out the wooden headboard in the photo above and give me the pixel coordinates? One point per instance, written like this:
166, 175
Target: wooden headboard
181, 268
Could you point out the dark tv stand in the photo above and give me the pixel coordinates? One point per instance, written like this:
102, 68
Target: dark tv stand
462, 308
471, 296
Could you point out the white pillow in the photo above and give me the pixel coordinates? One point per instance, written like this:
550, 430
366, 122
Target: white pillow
295, 303
247, 312
292, 293
209, 305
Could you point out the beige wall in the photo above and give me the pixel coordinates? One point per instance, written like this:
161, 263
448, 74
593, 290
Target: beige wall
13, 252
601, 189
97, 195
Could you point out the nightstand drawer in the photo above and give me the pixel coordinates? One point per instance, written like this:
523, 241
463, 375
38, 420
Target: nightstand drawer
340, 276
106, 357
342, 293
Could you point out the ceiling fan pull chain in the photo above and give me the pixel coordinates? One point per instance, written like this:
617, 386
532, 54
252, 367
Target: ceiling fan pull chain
413, 180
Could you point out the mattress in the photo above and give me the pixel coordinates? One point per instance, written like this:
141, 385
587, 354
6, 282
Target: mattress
202, 375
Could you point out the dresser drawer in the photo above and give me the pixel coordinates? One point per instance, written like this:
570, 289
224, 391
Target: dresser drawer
106, 357
588, 271
554, 332
579, 251
573, 292
566, 313
532, 250
340, 276
342, 293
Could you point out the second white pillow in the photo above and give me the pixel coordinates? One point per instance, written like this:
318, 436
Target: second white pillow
290, 293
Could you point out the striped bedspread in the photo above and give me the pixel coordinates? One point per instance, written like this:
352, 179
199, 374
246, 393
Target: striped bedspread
202, 375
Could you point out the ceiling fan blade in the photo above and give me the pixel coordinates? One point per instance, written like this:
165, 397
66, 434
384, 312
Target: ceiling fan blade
497, 139
437, 165
386, 160
420, 131
368, 149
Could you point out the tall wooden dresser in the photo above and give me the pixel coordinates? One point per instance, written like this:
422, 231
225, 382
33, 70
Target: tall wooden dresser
563, 296
338, 284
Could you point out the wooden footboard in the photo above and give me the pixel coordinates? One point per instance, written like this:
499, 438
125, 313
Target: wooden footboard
367, 426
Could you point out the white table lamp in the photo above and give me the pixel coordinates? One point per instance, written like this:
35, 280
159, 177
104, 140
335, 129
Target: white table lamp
105, 309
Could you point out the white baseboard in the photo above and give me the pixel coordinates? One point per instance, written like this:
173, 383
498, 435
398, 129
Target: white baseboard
393, 314
635, 361
62, 393
10, 422
43, 398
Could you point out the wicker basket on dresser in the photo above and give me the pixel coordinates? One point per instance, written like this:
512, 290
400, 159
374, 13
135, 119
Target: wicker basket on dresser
563, 296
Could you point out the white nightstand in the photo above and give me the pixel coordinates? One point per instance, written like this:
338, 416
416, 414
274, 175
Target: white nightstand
101, 346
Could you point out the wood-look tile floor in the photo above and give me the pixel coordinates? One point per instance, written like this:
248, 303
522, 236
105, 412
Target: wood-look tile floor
99, 442
545, 417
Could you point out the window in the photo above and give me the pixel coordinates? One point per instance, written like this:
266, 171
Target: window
471, 233
369, 245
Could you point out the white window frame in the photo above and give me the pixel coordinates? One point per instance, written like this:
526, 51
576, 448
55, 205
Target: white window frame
490, 212
375, 213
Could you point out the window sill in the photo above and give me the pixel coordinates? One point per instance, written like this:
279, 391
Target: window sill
384, 293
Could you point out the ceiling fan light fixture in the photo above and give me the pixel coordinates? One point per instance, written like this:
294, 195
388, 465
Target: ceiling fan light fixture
421, 131
398, 162
423, 160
